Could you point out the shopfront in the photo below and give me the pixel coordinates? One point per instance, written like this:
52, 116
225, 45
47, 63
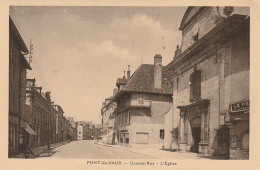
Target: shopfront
124, 137
238, 123
26, 134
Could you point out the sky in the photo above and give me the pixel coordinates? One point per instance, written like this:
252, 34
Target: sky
79, 52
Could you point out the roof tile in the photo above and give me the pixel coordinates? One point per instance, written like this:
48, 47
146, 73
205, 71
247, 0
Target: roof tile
143, 80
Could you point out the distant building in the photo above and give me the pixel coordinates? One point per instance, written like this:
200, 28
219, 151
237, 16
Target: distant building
72, 128
17, 83
108, 119
80, 132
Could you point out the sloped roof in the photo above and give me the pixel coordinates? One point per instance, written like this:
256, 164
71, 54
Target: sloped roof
143, 80
14, 31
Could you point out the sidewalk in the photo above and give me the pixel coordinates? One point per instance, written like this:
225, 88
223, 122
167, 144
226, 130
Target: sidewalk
156, 152
41, 149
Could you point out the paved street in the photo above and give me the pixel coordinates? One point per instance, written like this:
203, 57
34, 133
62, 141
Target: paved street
89, 149
86, 149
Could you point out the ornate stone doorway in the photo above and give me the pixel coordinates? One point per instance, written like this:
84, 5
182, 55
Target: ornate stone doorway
193, 127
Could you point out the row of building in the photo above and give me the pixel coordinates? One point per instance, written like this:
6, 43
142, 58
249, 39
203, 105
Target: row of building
88, 131
34, 120
199, 102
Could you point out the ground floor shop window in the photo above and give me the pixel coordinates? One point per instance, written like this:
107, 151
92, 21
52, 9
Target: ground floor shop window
245, 141
142, 138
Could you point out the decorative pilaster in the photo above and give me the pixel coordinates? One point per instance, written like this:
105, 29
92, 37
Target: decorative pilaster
203, 126
203, 145
183, 143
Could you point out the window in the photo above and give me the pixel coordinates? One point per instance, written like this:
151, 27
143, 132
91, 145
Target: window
118, 120
162, 134
127, 138
142, 138
129, 116
126, 117
122, 119
140, 98
195, 85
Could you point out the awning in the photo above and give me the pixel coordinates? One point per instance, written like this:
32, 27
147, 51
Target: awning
29, 129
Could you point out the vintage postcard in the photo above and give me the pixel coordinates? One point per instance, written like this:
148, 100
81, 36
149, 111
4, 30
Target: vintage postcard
129, 85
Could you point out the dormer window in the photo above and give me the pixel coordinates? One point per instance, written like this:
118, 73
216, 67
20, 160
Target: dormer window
140, 98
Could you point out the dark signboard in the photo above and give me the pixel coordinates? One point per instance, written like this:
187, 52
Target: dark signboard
239, 106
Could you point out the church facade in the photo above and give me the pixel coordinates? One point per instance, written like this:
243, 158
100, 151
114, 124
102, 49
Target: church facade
210, 112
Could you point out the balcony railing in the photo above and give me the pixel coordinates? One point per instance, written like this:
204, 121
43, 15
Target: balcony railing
139, 103
134, 103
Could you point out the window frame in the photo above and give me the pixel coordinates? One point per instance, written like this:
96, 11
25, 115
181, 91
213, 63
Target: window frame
162, 134
195, 85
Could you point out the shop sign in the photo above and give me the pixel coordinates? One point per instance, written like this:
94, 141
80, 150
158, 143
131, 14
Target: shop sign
240, 106
123, 130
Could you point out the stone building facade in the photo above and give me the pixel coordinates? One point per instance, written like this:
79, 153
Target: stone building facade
142, 104
211, 72
18, 66
42, 115
46, 120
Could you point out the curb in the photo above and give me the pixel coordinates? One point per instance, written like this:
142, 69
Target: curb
51, 148
126, 149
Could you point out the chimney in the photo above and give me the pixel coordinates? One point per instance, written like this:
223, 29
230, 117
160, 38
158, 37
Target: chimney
124, 75
115, 91
48, 97
128, 72
157, 71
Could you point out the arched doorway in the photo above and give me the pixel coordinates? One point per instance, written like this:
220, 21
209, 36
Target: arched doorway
196, 133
